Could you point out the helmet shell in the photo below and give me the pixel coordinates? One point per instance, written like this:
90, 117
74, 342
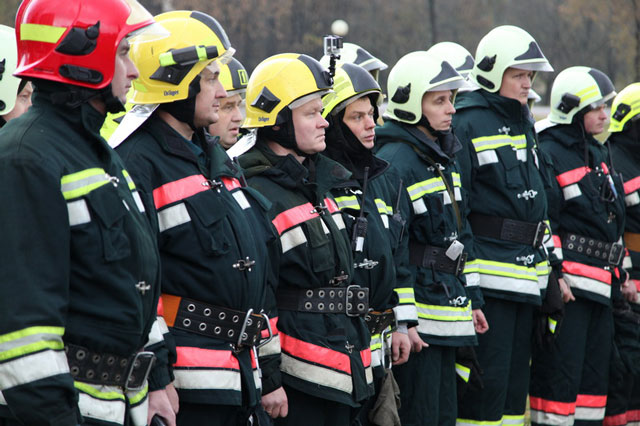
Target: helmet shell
74, 41
8, 58
280, 80
625, 107
351, 82
234, 78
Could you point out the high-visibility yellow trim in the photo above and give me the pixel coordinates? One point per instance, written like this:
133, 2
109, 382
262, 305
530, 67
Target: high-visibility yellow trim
552, 325
31, 348
481, 143
527, 273
96, 177
383, 208
408, 291
464, 311
130, 181
479, 422
40, 32
30, 331
428, 186
90, 390
348, 201
140, 395
463, 372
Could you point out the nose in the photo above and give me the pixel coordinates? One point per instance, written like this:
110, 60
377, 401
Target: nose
132, 70
323, 124
370, 123
237, 115
220, 92
451, 109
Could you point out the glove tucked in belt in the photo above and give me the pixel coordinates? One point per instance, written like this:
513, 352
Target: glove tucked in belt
501, 228
603, 250
428, 256
352, 300
100, 368
237, 327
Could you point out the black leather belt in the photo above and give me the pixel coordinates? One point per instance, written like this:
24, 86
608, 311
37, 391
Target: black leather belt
238, 327
434, 257
129, 373
377, 322
352, 300
505, 229
603, 250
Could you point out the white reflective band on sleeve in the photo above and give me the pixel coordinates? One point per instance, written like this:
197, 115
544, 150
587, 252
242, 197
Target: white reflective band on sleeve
337, 218
589, 413
30, 368
241, 199
138, 200
207, 379
138, 413
376, 358
514, 285
257, 380
543, 418
419, 206
316, 374
78, 212
292, 238
588, 284
173, 216
368, 373
571, 191
487, 157
627, 263
473, 279
446, 328
406, 313
155, 335
513, 420
324, 227
271, 348
632, 199
385, 220
111, 411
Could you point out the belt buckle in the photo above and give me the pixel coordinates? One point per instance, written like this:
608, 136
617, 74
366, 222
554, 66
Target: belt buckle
462, 261
538, 239
133, 383
262, 343
353, 288
238, 346
616, 254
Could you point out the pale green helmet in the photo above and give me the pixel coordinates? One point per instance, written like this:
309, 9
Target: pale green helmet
625, 107
415, 74
459, 57
351, 53
350, 83
505, 47
8, 59
575, 89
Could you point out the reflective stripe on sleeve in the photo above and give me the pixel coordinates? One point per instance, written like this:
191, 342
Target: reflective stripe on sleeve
316, 374
139, 407
198, 368
572, 176
587, 278
32, 367
487, 157
513, 420
632, 199
292, 238
463, 372
81, 183
271, 348
348, 202
104, 403
419, 206
429, 186
294, 216
179, 190
493, 142
543, 269
508, 277
138, 200
590, 407
130, 183
571, 191
445, 321
231, 183
337, 218
173, 216
632, 185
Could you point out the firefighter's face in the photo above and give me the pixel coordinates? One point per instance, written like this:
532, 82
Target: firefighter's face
309, 126
124, 73
230, 119
358, 116
208, 99
438, 108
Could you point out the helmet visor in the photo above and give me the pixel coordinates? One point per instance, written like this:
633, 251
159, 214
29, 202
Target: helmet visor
151, 32
453, 85
534, 66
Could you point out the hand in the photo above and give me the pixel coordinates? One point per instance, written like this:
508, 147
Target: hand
160, 404
416, 342
567, 295
275, 403
479, 321
629, 290
172, 394
400, 348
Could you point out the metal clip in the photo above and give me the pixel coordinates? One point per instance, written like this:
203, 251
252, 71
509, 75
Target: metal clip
319, 209
366, 264
114, 180
143, 287
338, 279
262, 343
149, 357
213, 184
237, 347
244, 264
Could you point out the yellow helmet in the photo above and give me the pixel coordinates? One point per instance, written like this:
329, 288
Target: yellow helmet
625, 107
167, 66
233, 77
280, 80
350, 83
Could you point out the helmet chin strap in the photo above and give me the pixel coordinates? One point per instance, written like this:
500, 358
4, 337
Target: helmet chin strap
185, 110
285, 134
445, 138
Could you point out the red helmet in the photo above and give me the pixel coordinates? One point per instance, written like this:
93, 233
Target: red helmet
74, 41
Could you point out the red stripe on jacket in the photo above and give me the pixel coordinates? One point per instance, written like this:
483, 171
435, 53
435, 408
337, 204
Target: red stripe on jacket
583, 270
572, 176
591, 401
555, 407
198, 357
294, 216
274, 328
315, 354
632, 185
179, 190
231, 183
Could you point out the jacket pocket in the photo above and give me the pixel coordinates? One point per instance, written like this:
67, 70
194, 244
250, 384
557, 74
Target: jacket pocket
208, 218
509, 160
319, 245
110, 211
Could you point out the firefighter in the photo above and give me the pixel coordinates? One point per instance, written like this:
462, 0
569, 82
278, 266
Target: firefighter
326, 360
500, 170
417, 140
370, 200
623, 401
233, 77
586, 208
213, 233
81, 272
15, 93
